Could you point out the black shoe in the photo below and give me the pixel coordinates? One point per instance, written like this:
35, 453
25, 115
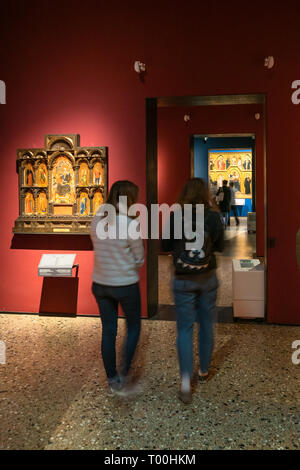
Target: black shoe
203, 378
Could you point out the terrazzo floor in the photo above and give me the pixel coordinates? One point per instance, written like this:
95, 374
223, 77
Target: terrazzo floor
53, 392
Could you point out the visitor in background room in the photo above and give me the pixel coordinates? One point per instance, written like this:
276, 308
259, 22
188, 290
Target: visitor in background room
232, 203
220, 181
223, 198
213, 190
116, 282
195, 285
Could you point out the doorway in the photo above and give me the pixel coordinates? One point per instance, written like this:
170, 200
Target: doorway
216, 158
180, 104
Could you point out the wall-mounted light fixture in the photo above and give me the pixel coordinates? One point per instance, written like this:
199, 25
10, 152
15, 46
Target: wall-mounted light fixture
139, 67
186, 117
269, 62
257, 116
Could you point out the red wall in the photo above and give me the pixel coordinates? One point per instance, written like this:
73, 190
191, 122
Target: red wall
68, 68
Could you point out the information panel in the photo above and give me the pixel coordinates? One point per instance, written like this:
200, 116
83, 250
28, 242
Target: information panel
52, 265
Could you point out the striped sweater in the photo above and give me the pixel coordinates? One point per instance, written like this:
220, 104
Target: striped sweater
116, 261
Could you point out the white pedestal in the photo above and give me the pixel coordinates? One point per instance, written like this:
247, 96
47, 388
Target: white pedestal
248, 285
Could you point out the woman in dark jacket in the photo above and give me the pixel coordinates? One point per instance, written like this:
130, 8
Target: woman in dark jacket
195, 291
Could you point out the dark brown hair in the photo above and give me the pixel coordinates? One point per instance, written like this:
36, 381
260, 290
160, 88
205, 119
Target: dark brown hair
195, 191
123, 188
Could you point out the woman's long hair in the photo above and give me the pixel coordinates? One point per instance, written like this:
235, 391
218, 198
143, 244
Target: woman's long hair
195, 191
123, 188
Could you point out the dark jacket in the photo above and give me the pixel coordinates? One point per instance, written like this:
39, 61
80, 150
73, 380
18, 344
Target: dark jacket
225, 204
213, 225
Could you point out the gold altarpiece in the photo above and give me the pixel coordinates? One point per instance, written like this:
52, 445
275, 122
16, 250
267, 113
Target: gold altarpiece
60, 186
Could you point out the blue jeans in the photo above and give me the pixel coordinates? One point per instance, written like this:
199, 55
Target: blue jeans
226, 218
108, 299
195, 301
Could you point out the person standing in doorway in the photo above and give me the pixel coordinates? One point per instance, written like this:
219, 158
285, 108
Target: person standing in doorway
232, 203
195, 290
223, 197
116, 282
213, 190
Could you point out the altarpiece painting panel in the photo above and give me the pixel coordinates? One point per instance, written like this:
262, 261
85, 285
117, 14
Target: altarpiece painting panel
232, 165
60, 186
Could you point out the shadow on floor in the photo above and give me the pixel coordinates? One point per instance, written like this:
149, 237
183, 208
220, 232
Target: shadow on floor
167, 313
221, 315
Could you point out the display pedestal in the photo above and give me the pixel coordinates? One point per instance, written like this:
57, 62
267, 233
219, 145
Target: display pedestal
60, 289
248, 285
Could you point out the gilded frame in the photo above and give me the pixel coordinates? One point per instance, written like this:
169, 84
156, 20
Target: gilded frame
36, 170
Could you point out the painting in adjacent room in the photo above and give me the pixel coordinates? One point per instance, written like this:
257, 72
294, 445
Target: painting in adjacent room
232, 165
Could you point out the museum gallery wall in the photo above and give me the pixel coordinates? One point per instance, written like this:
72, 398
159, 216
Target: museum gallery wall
69, 70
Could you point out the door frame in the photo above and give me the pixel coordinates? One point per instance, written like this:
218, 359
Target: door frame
152, 104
